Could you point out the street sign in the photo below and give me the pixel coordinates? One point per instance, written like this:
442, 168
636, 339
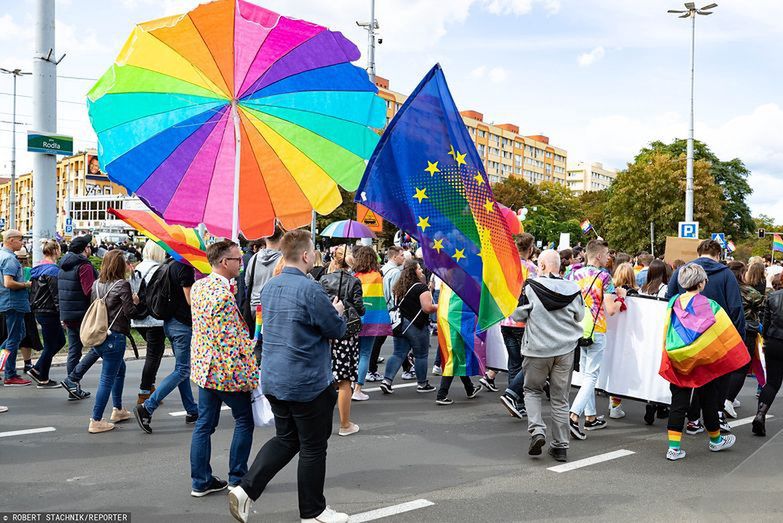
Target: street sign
2, 223
40, 142
720, 237
369, 218
68, 231
688, 230
69, 221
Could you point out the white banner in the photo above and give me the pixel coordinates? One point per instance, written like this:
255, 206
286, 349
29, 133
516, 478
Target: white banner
634, 345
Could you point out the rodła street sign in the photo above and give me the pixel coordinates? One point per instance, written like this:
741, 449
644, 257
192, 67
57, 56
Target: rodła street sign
40, 142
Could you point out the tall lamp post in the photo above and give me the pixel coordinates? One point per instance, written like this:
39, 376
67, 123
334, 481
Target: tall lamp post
371, 27
12, 199
691, 11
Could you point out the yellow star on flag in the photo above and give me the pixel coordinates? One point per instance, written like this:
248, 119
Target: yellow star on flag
424, 223
432, 168
438, 245
479, 179
488, 205
461, 159
451, 152
421, 194
458, 254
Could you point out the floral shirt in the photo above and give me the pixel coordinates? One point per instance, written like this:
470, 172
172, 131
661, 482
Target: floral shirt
221, 350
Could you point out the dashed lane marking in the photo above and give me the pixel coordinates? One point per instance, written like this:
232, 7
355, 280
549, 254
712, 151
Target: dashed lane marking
13, 433
591, 461
393, 510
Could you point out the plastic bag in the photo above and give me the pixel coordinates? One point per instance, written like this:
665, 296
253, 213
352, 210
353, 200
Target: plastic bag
262, 409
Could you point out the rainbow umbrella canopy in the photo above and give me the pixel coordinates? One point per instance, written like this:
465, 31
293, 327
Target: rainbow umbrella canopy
181, 243
347, 229
233, 116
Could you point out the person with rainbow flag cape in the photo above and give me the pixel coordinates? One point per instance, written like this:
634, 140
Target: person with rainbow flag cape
701, 345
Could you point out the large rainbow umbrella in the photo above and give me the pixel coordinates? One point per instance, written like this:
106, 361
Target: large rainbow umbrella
183, 244
347, 229
233, 116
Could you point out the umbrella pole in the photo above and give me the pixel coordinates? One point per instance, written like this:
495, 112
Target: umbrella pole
237, 157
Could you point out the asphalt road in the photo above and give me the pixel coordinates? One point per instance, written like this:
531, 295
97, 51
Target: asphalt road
468, 459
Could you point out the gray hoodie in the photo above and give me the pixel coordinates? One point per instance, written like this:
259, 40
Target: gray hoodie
553, 309
264, 261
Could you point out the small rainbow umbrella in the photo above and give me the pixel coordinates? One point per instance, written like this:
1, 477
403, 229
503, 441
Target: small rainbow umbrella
183, 244
233, 116
347, 229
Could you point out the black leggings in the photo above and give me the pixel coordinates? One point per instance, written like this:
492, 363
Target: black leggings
773, 352
708, 397
737, 378
445, 385
155, 342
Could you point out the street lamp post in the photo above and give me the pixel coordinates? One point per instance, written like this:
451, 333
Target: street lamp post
371, 27
690, 12
12, 199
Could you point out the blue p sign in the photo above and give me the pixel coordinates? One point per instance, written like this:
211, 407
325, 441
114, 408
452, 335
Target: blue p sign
688, 230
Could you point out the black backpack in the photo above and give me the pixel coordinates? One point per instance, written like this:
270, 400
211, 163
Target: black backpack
159, 293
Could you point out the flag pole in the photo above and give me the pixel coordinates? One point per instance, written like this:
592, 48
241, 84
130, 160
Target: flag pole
237, 157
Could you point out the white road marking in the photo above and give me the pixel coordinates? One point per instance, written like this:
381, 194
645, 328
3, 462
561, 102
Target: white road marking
745, 421
394, 387
391, 511
183, 412
26, 431
591, 461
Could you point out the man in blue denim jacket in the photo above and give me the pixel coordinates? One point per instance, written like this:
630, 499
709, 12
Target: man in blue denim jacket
14, 303
296, 377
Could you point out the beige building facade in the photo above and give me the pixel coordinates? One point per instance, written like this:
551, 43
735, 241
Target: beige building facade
589, 176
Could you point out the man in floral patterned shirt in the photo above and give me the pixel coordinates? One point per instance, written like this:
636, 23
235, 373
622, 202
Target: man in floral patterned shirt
224, 368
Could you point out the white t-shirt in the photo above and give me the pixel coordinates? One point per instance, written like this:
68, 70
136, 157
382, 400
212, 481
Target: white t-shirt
771, 271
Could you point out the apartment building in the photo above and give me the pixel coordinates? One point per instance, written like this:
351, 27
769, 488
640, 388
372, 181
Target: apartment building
586, 176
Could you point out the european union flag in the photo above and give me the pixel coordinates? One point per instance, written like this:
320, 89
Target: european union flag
426, 177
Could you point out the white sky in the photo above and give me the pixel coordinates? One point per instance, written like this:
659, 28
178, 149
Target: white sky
601, 78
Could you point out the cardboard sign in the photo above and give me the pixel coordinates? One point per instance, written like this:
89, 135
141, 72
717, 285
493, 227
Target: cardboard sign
369, 218
680, 249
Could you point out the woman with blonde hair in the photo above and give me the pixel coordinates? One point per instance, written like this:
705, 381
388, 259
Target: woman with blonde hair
318, 269
44, 304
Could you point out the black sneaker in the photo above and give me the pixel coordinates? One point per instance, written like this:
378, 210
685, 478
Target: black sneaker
386, 387
143, 417
575, 430
27, 367
597, 424
511, 405
75, 391
190, 419
216, 485
50, 384
444, 401
488, 382
476, 389
537, 442
649, 414
663, 412
560, 455
36, 376
425, 388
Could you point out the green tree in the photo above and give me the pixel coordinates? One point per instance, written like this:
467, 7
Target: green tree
731, 176
651, 190
592, 205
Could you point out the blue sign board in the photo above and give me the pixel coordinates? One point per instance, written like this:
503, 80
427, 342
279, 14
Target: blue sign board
688, 230
720, 238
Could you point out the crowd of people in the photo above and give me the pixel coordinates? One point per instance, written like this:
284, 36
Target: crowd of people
309, 327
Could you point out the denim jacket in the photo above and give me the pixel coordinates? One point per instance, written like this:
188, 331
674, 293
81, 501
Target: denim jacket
299, 321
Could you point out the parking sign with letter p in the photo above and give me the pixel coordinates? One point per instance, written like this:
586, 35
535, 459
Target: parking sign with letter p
688, 230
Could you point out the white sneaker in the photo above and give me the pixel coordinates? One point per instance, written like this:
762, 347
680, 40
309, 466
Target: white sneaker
328, 516
353, 428
737, 404
726, 442
436, 371
239, 503
729, 408
675, 454
616, 412
359, 396
409, 376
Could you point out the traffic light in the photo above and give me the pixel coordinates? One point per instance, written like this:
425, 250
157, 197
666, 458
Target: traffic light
761, 233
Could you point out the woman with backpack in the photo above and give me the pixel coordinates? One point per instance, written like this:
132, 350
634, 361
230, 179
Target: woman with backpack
345, 351
413, 301
45, 306
150, 328
120, 303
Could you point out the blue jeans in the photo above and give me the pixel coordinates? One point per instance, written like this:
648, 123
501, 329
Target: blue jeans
417, 339
512, 338
209, 402
365, 350
14, 323
180, 335
590, 359
53, 341
112, 373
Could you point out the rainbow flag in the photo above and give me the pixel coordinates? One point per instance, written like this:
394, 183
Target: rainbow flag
259, 327
701, 343
426, 176
376, 321
777, 243
730, 246
586, 226
182, 243
463, 352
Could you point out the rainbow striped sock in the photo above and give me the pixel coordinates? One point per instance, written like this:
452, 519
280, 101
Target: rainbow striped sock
714, 436
675, 437
616, 401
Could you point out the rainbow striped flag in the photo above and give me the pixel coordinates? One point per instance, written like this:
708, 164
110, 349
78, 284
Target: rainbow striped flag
462, 351
182, 243
586, 226
701, 343
426, 176
376, 321
259, 327
730, 246
777, 243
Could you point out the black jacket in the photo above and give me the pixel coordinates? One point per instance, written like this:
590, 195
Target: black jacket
351, 291
73, 302
43, 291
772, 316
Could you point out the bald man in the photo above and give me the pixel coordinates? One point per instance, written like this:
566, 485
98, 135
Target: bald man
14, 303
